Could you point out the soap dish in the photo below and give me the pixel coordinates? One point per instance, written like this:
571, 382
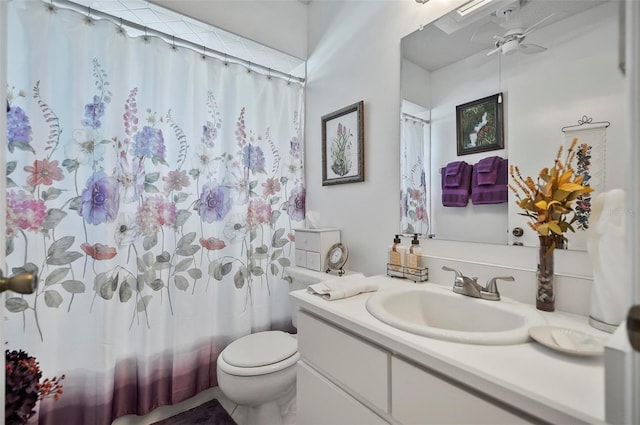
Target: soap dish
569, 341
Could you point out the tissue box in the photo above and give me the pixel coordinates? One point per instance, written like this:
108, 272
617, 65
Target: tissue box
312, 246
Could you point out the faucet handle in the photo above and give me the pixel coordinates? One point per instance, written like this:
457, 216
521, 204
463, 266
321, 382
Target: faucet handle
492, 287
449, 269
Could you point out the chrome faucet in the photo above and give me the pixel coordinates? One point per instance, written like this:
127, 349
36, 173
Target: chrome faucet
491, 290
470, 287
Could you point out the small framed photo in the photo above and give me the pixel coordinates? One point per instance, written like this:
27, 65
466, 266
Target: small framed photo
479, 125
343, 145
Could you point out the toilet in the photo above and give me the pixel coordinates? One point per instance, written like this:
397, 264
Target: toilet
258, 371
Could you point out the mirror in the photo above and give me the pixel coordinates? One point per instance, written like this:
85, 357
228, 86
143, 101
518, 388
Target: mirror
555, 64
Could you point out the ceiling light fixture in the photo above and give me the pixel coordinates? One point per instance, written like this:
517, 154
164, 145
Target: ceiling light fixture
421, 1
472, 6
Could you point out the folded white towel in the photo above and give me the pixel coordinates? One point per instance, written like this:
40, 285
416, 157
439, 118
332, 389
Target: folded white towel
342, 287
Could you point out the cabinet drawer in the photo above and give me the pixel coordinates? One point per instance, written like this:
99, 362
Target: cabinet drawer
418, 397
301, 258
319, 401
314, 261
353, 364
309, 241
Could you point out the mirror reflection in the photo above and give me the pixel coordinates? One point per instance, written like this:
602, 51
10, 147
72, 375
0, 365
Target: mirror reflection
550, 65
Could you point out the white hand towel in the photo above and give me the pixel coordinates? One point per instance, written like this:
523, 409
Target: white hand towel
342, 287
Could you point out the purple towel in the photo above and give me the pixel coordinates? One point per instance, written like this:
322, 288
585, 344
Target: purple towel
487, 170
453, 174
491, 193
457, 196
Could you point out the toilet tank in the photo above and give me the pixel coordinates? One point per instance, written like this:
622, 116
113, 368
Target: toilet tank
300, 278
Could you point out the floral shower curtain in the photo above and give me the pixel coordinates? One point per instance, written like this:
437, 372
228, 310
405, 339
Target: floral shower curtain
154, 191
414, 209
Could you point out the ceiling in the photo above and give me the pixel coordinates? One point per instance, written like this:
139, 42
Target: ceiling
449, 39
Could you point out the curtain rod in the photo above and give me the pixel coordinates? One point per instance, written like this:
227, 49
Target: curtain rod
171, 39
413, 117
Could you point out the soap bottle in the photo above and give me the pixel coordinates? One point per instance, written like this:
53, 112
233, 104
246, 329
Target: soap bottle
414, 256
415, 259
395, 257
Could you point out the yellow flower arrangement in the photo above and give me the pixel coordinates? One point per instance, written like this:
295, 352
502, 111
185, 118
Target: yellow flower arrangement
549, 202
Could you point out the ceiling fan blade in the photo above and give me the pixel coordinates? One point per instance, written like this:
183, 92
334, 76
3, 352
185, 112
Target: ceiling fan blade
496, 50
534, 26
529, 49
485, 33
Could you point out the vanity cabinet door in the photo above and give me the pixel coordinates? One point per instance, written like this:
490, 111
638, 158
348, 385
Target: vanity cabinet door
319, 401
353, 364
419, 397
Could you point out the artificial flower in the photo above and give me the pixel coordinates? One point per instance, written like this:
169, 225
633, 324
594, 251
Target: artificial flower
23, 387
549, 202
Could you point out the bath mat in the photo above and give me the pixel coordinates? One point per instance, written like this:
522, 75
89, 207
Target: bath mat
209, 413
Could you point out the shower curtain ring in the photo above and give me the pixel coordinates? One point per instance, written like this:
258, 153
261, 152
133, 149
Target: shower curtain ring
289, 79
269, 74
88, 19
225, 60
204, 51
249, 68
146, 37
51, 7
173, 43
121, 29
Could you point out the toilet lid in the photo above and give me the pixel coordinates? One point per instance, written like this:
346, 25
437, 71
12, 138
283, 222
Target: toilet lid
260, 349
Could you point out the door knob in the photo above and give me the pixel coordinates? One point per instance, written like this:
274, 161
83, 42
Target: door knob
22, 283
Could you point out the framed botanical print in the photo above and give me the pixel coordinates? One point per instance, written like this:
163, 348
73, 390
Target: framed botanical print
343, 145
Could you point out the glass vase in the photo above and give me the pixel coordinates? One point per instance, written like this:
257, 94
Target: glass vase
545, 295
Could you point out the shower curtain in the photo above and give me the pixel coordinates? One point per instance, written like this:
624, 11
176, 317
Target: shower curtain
154, 191
414, 209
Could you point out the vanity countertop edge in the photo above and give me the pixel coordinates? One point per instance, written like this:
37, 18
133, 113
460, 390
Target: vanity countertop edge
552, 386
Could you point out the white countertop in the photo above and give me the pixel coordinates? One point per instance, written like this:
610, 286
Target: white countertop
556, 387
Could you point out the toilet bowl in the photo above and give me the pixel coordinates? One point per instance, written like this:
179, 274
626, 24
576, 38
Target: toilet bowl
258, 371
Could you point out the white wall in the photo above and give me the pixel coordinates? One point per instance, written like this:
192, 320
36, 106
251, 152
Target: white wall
354, 54
280, 24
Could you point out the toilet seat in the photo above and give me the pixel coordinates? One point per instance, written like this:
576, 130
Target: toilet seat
259, 354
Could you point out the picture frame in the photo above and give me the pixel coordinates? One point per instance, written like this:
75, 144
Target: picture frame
343, 145
479, 125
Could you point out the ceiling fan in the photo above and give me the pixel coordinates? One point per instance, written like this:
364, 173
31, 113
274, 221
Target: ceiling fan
513, 39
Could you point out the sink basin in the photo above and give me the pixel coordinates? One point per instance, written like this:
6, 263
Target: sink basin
439, 313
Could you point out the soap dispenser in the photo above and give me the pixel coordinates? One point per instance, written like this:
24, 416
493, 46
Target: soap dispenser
396, 255
414, 257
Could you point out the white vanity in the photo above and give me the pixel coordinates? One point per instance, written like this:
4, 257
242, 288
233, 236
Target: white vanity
355, 369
